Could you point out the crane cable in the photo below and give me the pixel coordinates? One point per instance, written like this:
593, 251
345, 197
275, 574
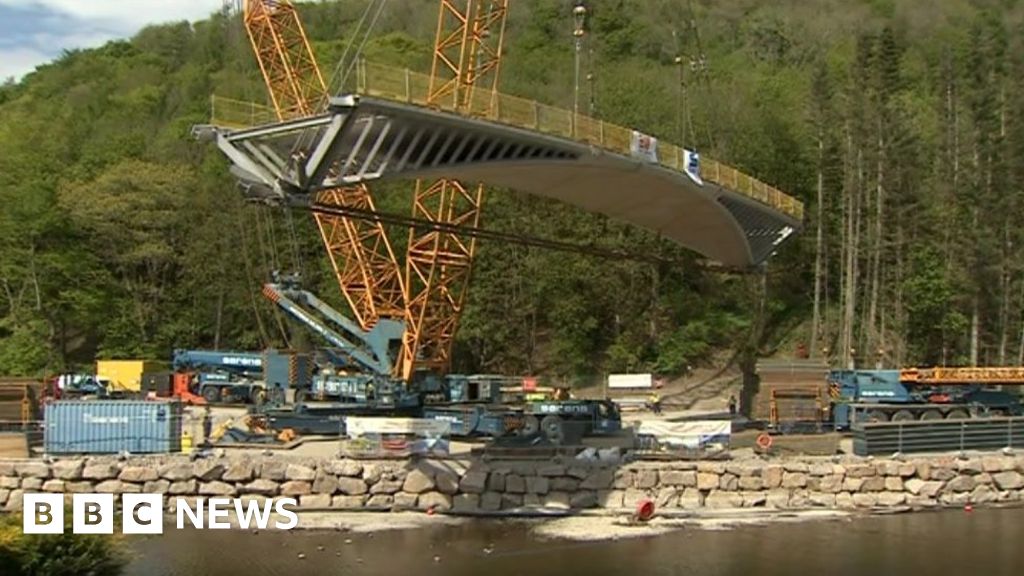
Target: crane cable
264, 233
348, 47
267, 252
277, 260
306, 139
246, 257
366, 38
293, 237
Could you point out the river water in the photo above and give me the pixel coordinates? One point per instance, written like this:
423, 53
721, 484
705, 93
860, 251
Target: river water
983, 542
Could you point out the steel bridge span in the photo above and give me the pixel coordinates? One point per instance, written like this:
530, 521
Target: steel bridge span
383, 133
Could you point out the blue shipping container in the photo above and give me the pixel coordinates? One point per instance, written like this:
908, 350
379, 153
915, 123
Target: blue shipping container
112, 426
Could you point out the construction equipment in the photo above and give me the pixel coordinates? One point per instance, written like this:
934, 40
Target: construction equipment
18, 402
210, 376
359, 363
125, 374
807, 396
78, 386
960, 376
793, 408
353, 347
916, 394
566, 422
207, 376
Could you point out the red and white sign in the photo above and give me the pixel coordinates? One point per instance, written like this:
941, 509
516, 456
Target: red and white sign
644, 147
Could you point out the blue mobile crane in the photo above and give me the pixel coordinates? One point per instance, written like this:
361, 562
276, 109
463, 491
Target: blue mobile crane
356, 368
210, 376
921, 394
219, 376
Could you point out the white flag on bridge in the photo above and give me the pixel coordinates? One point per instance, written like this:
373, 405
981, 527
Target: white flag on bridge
691, 165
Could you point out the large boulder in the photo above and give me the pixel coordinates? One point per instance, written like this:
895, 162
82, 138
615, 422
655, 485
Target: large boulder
473, 482
296, 488
435, 500
1008, 480
68, 469
216, 488
138, 474
299, 472
418, 482
240, 471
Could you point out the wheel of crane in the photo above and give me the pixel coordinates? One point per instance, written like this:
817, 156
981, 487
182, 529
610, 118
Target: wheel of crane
530, 426
903, 416
554, 428
931, 415
211, 394
984, 412
876, 416
258, 396
958, 414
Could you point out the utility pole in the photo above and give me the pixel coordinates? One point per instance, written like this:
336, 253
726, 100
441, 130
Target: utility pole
579, 17
590, 80
681, 95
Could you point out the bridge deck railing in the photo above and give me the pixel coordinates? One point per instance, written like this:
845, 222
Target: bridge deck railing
403, 85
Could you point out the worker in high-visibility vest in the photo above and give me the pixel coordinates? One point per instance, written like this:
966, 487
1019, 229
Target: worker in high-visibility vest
655, 403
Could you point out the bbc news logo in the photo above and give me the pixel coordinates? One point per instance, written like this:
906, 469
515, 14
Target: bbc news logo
144, 513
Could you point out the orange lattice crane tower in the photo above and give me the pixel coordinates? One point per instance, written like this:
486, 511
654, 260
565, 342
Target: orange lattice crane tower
360, 253
464, 77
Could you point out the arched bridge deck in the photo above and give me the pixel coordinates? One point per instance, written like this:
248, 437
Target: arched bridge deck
388, 132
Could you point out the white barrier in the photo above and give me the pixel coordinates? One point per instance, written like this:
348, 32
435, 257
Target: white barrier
630, 381
397, 436
699, 434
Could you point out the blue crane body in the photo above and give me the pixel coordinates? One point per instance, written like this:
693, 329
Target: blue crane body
223, 375
883, 395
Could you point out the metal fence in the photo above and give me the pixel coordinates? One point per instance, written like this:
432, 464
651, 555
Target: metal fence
885, 438
403, 85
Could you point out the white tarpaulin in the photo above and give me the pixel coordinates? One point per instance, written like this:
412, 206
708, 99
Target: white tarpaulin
644, 147
630, 381
361, 426
695, 434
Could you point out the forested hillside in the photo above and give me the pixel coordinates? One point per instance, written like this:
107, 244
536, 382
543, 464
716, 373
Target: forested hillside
899, 124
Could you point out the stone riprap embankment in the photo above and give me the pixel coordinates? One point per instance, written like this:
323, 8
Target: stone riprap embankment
473, 486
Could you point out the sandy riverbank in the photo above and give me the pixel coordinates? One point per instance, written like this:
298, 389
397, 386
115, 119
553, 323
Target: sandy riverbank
595, 526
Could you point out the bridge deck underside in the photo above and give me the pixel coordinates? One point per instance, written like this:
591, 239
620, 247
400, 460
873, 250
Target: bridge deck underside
371, 139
